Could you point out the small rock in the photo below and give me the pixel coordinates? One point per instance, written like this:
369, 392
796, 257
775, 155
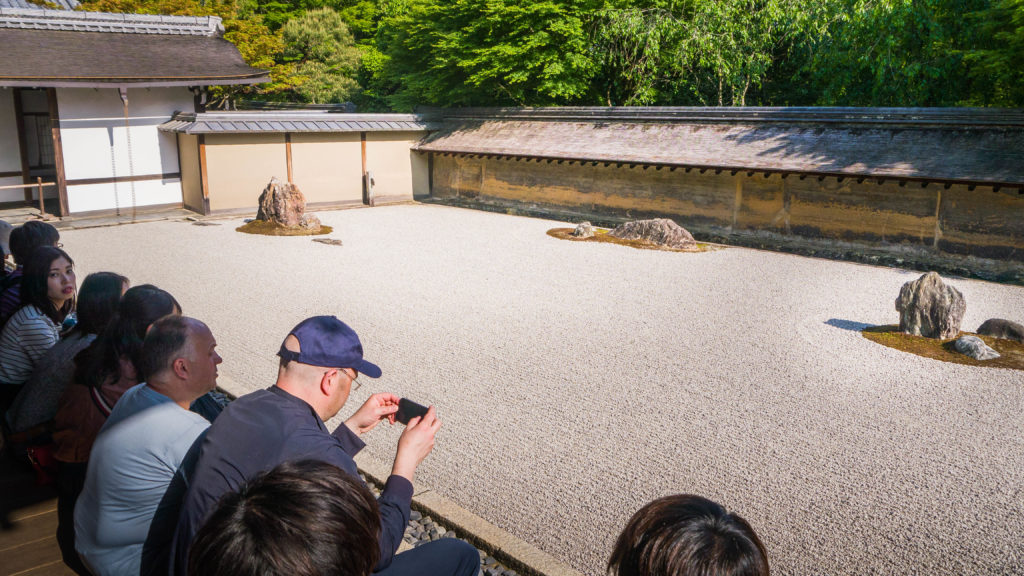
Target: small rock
1000, 328
661, 231
930, 308
449, 534
441, 530
975, 348
489, 561
328, 241
204, 223
583, 230
414, 515
493, 572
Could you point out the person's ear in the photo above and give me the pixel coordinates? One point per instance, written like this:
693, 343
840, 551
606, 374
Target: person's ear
180, 367
327, 382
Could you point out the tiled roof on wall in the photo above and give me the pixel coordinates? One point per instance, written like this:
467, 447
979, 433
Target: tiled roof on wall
40, 4
295, 121
960, 145
53, 48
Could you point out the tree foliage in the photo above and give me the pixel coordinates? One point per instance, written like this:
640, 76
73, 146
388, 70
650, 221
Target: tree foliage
325, 56
399, 54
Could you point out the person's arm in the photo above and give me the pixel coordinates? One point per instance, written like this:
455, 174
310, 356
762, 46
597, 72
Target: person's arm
36, 337
394, 502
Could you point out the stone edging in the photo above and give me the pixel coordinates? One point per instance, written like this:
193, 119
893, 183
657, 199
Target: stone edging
511, 551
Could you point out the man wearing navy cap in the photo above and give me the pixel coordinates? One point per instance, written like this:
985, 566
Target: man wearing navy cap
320, 361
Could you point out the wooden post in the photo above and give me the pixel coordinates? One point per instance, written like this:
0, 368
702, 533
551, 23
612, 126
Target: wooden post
430, 173
42, 207
366, 189
203, 175
737, 201
938, 222
58, 153
288, 155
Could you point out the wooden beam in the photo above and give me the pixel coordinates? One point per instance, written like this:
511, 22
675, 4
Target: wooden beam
362, 174
204, 175
288, 155
58, 153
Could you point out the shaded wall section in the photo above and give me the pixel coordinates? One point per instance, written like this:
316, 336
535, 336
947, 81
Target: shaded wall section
752, 207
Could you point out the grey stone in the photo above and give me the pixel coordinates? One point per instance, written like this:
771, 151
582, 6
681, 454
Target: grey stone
583, 230
283, 203
660, 231
449, 535
975, 348
414, 515
489, 561
930, 308
1000, 328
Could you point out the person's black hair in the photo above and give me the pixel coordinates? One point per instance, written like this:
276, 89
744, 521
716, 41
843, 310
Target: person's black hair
31, 235
163, 343
34, 288
97, 301
305, 518
686, 535
124, 334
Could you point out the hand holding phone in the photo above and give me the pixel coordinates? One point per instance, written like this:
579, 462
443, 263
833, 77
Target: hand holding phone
407, 410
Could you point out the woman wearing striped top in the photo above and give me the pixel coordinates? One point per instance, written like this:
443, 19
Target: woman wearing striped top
47, 296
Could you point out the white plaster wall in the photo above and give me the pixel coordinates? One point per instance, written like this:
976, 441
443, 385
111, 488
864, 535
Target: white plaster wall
89, 197
10, 155
95, 143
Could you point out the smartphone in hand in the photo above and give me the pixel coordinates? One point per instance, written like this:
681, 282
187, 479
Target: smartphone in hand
407, 410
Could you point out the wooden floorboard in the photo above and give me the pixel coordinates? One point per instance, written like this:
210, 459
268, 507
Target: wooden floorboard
28, 524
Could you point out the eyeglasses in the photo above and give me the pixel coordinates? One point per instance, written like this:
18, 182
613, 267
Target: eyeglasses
355, 380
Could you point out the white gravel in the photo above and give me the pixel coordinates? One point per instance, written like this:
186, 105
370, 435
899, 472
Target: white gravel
578, 381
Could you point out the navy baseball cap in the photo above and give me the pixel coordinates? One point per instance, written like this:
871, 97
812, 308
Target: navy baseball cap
328, 342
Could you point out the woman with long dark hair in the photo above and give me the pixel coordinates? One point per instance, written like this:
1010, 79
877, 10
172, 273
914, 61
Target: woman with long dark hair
47, 296
36, 405
103, 372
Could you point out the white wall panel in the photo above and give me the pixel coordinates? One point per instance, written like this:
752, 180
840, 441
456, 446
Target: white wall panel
95, 140
89, 197
10, 155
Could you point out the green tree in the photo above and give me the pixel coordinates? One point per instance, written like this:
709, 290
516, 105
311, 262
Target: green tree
998, 58
325, 55
485, 52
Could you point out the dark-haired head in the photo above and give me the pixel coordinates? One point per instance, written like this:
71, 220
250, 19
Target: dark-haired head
46, 279
687, 535
29, 236
123, 336
305, 518
98, 299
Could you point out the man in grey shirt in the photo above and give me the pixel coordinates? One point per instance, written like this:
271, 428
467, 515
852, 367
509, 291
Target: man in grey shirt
137, 472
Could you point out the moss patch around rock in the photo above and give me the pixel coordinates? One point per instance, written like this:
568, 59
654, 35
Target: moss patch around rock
271, 229
601, 235
1011, 352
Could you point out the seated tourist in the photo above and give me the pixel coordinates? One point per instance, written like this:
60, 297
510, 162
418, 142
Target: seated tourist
320, 360
23, 242
129, 505
36, 405
103, 372
305, 518
687, 535
48, 294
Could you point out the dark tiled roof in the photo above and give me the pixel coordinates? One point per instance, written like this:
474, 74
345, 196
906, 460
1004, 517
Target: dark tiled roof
295, 121
977, 146
53, 48
26, 5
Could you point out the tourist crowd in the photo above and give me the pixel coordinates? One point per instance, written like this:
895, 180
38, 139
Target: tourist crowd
109, 391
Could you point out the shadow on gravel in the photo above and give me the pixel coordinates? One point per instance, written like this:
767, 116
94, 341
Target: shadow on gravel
848, 324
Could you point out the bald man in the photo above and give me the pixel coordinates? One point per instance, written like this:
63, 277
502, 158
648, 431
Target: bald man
321, 359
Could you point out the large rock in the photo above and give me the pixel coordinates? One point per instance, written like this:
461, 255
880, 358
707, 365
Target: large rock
975, 348
283, 203
929, 308
661, 231
999, 328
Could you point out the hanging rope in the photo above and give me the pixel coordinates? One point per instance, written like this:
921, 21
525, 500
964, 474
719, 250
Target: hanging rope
128, 137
